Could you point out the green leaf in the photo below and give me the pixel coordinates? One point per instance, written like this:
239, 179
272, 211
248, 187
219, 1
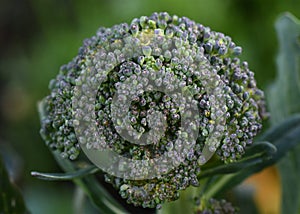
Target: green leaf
283, 95
11, 201
98, 195
256, 154
284, 142
284, 100
66, 176
289, 169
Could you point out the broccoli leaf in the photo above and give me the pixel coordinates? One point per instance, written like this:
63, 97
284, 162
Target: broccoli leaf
11, 200
284, 100
103, 201
284, 142
283, 96
66, 176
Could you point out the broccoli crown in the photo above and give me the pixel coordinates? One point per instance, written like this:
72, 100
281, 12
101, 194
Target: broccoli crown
213, 206
179, 44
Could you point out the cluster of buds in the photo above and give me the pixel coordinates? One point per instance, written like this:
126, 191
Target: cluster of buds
213, 206
163, 86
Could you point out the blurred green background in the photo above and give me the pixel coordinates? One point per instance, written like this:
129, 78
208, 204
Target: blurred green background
37, 37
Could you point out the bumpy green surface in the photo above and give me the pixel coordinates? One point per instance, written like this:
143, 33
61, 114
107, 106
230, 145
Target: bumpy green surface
244, 107
213, 206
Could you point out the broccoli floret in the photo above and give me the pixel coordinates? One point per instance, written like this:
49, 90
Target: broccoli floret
161, 50
213, 206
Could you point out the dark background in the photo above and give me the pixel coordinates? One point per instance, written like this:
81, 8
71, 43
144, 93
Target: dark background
38, 36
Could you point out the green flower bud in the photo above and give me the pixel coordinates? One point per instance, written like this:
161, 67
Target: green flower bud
163, 50
214, 206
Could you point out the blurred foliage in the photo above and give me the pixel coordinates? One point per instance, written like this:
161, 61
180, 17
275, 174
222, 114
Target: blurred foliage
11, 200
283, 98
37, 37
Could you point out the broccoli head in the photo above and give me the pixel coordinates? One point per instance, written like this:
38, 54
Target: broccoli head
148, 88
